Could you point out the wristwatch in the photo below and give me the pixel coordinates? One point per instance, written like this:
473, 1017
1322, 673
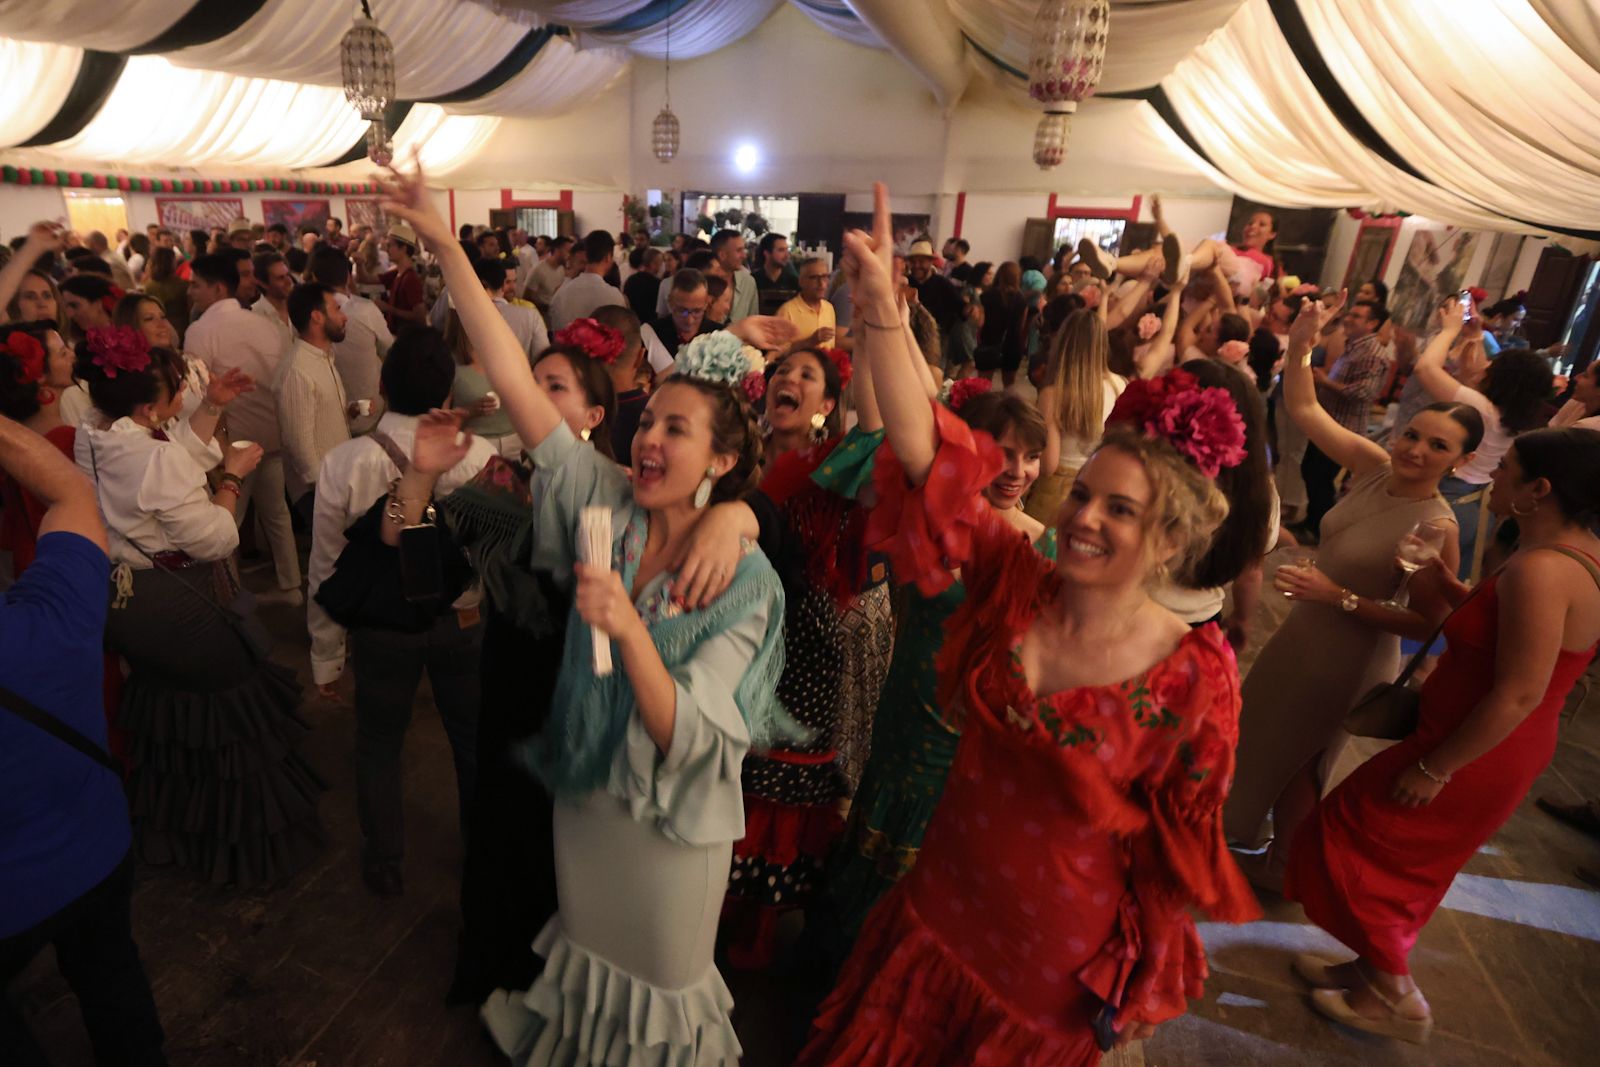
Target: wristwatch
1350, 601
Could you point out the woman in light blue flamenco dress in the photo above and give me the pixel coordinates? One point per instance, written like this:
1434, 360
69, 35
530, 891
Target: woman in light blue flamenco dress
645, 761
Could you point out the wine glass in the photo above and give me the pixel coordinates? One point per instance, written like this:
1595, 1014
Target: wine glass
1419, 547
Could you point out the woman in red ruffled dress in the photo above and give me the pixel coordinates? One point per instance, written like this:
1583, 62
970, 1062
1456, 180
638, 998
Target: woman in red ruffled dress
1048, 917
1378, 854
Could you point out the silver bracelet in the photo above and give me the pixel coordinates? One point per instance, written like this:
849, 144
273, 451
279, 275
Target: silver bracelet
1423, 767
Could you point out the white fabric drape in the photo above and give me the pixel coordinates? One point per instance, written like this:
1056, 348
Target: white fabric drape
927, 39
1502, 113
1145, 43
160, 113
559, 77
1576, 22
445, 142
836, 17
579, 14
698, 29
34, 81
108, 26
438, 46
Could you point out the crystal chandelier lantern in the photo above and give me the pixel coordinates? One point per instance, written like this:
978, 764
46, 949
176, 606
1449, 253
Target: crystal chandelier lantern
366, 65
664, 130
1064, 66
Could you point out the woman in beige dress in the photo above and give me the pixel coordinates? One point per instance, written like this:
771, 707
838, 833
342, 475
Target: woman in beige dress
1339, 640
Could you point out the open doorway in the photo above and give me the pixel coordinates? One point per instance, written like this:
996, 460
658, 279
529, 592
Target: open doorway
87, 211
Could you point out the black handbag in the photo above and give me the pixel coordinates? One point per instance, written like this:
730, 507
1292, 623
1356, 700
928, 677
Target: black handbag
1390, 710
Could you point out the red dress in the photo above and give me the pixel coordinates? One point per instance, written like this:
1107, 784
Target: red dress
1075, 831
1370, 871
19, 519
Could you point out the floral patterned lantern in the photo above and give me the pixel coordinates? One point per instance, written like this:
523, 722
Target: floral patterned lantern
366, 65
1069, 53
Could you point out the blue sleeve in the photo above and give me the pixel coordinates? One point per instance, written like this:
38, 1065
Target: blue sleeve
58, 606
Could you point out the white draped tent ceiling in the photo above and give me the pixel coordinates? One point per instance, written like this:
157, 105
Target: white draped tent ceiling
1483, 113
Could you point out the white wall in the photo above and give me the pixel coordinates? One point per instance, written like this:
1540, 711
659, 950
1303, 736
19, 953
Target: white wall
597, 211
23, 205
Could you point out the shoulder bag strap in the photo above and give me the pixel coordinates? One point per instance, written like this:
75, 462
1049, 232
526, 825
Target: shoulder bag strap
1422, 653
385, 442
30, 712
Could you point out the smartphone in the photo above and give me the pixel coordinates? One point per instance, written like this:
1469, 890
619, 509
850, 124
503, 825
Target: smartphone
1466, 305
421, 572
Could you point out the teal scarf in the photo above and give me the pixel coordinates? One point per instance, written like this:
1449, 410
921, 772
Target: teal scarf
589, 715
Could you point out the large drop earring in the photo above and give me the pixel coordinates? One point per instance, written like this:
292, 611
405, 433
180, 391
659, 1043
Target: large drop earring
819, 427
702, 493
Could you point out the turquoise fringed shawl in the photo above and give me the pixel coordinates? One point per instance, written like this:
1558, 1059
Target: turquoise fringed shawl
589, 715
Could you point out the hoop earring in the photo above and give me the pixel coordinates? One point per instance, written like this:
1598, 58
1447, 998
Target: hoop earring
819, 427
1523, 514
702, 493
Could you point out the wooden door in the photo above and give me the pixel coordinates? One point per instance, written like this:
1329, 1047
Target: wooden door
1555, 286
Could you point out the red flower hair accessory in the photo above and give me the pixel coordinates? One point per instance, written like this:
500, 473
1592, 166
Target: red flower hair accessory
841, 363
110, 300
598, 341
1202, 424
29, 354
955, 394
118, 348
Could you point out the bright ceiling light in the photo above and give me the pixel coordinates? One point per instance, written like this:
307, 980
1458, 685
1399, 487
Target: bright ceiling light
746, 158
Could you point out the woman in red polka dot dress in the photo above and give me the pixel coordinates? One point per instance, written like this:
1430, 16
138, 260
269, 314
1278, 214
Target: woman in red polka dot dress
1049, 915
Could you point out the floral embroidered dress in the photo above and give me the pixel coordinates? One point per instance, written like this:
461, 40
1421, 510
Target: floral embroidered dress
1077, 830
838, 636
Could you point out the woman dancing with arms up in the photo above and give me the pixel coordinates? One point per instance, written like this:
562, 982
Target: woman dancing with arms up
644, 762
1047, 917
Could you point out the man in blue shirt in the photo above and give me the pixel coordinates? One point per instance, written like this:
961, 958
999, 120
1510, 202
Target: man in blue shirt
66, 877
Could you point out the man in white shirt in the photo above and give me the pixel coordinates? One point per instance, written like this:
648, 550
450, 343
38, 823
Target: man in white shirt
388, 664
313, 411
527, 259
276, 283
225, 336
581, 295
359, 356
119, 266
526, 323
728, 247
550, 273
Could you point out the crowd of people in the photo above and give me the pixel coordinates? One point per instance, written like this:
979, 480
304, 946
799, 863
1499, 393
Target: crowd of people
894, 601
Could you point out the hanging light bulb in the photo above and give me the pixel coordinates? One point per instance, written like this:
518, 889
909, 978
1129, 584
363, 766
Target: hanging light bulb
366, 65
664, 130
1064, 66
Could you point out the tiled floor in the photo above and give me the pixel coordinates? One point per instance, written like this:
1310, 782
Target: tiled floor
319, 974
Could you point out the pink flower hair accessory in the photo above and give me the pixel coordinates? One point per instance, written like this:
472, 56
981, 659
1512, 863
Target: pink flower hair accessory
598, 341
1149, 326
1233, 351
118, 348
754, 386
1202, 424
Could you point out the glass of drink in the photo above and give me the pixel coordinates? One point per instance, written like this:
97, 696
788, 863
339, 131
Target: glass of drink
1416, 550
1299, 559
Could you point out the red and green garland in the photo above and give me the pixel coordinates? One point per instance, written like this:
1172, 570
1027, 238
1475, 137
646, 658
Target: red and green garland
73, 179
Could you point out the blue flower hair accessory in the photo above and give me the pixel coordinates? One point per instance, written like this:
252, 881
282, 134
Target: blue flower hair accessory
723, 358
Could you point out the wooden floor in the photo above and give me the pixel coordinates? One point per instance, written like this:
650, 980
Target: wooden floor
318, 973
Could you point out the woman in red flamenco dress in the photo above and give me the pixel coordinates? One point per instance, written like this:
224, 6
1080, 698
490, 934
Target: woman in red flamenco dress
1048, 916
1379, 853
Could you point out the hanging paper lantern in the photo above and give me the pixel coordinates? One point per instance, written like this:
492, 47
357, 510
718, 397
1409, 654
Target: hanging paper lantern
664, 134
1064, 66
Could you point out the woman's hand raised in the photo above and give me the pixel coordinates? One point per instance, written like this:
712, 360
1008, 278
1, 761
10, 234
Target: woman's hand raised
868, 261
1307, 326
406, 196
441, 442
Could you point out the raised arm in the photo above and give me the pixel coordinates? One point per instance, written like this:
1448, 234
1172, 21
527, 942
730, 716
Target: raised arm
1192, 323
66, 492
42, 237
1344, 447
884, 342
1161, 345
1430, 361
498, 352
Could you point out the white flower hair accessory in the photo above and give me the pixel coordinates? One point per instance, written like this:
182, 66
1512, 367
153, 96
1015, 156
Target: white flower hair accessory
723, 358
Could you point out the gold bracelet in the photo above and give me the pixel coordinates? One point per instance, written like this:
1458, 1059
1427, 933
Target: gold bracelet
1437, 779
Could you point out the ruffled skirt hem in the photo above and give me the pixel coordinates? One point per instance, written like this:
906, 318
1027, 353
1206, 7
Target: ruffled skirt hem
585, 1012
